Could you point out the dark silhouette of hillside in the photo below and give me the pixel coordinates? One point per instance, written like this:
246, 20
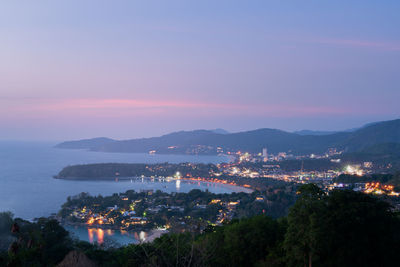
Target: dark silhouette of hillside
207, 142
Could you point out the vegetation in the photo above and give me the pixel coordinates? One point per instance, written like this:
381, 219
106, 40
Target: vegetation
110, 170
192, 211
344, 228
43, 243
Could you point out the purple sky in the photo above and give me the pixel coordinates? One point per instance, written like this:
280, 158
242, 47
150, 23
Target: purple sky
124, 69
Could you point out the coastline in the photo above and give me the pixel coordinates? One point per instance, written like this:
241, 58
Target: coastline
154, 234
117, 179
145, 236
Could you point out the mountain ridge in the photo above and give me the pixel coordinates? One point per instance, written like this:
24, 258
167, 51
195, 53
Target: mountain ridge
275, 140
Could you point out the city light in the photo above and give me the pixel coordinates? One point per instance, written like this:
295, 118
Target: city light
354, 170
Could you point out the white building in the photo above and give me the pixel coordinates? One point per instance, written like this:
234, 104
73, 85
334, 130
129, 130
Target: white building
265, 154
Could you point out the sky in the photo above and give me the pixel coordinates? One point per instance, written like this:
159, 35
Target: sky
73, 69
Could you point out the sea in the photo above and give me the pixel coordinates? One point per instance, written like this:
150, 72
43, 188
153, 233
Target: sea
28, 189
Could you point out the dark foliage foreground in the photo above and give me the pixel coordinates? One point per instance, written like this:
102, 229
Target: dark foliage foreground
344, 228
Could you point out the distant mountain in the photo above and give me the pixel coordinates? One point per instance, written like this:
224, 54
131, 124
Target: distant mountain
86, 143
311, 132
372, 134
220, 131
211, 142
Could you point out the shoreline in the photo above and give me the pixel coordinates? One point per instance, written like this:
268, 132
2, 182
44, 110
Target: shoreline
117, 179
151, 234
154, 234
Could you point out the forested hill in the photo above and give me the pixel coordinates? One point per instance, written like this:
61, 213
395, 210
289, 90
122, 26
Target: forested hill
208, 142
112, 170
86, 143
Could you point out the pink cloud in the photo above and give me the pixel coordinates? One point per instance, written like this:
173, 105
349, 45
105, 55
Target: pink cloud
114, 108
117, 104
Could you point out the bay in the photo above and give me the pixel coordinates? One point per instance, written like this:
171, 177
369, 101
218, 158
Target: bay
28, 189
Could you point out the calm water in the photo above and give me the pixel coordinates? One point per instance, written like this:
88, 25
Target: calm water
29, 191
106, 236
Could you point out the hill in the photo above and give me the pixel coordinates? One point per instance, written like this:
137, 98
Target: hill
377, 133
112, 170
388, 149
311, 132
211, 142
86, 143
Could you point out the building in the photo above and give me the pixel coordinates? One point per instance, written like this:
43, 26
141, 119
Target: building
265, 154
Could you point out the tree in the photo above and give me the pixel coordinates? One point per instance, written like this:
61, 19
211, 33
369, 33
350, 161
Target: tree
345, 228
358, 230
304, 226
6, 221
242, 243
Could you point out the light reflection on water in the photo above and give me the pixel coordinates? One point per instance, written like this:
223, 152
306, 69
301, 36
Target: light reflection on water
102, 236
99, 235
